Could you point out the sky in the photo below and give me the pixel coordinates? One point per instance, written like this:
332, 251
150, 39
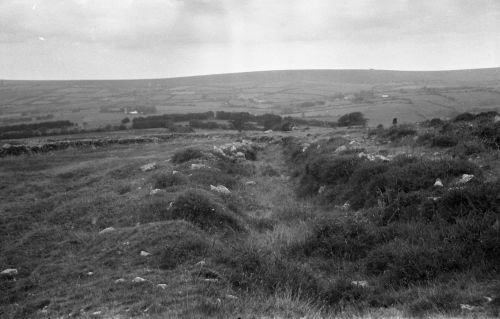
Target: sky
124, 39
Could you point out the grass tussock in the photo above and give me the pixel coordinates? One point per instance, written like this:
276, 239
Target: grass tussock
204, 210
187, 155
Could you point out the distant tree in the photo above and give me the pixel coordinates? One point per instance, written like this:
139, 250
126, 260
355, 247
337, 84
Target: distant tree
126, 120
238, 124
355, 118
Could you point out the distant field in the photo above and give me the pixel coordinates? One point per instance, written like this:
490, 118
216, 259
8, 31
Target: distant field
410, 96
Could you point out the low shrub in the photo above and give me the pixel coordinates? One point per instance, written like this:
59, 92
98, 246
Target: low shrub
327, 170
251, 269
236, 168
350, 240
436, 302
268, 170
178, 252
187, 155
351, 119
204, 210
444, 141
167, 180
467, 148
464, 117
212, 176
396, 133
401, 264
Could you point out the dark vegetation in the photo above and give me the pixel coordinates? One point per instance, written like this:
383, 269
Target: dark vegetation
351, 119
406, 232
35, 129
415, 246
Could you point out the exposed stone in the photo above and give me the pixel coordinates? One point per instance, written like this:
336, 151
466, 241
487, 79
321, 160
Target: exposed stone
322, 189
107, 230
220, 189
268, 131
250, 183
145, 253
360, 283
162, 286
438, 183
340, 149
467, 307
149, 167
154, 191
138, 280
465, 179
198, 166
120, 280
9, 272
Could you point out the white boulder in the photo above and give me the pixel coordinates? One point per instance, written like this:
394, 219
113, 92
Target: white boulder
198, 166
9, 272
149, 167
220, 189
107, 230
341, 149
138, 280
465, 178
438, 183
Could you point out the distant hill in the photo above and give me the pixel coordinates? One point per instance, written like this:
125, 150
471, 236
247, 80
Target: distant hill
380, 94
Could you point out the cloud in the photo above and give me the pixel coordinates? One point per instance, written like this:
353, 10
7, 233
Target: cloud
202, 36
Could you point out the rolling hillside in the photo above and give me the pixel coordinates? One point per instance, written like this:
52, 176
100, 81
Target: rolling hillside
327, 94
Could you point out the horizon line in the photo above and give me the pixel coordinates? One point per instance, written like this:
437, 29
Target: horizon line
247, 72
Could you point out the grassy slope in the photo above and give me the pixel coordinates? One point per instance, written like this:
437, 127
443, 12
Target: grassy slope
54, 205
281, 92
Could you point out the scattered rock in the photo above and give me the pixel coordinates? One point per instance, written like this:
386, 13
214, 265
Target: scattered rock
220, 189
149, 167
250, 183
97, 313
231, 297
360, 283
268, 131
174, 172
322, 189
154, 191
145, 253
240, 155
120, 280
90, 273
9, 272
198, 166
107, 230
138, 280
341, 149
162, 286
488, 299
211, 280
438, 183
200, 263
305, 147
465, 179
467, 307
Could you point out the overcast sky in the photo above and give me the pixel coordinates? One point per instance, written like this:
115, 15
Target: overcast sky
98, 39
